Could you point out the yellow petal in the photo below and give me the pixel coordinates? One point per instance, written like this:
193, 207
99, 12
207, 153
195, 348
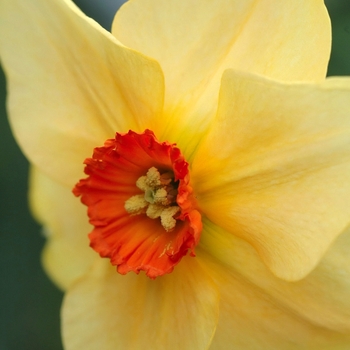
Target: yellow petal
67, 254
318, 304
251, 319
108, 311
71, 84
196, 40
275, 169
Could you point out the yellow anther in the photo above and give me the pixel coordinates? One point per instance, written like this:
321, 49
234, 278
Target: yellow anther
136, 205
167, 218
158, 199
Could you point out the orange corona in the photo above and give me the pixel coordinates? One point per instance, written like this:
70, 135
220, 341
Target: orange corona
140, 203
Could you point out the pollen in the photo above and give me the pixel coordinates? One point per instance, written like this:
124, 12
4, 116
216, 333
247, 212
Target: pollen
158, 199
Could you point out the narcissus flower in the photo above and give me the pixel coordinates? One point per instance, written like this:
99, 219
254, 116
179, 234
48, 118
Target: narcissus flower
215, 185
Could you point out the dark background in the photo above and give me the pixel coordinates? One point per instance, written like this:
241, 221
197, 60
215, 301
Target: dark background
29, 302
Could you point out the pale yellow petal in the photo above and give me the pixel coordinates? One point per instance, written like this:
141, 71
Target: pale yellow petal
67, 254
71, 84
251, 319
196, 40
275, 169
109, 311
318, 304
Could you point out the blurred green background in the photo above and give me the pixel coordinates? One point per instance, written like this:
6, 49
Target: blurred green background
29, 302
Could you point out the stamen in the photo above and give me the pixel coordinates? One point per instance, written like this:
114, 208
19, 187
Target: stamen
154, 211
158, 199
136, 205
167, 218
153, 177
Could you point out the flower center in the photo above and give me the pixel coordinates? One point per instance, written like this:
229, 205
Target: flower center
158, 199
140, 203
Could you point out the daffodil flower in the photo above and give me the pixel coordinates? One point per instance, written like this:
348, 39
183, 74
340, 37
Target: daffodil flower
217, 170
